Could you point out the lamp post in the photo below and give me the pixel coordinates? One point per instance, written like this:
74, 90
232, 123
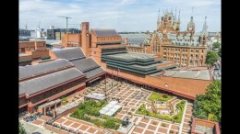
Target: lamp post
105, 86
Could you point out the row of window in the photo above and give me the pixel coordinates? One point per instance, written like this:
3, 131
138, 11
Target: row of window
183, 50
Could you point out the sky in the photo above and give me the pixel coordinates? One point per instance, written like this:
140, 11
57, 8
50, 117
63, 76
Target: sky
122, 15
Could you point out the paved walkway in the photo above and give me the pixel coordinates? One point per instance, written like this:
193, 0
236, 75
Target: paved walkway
184, 113
30, 128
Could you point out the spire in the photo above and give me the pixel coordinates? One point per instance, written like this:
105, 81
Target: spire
158, 14
175, 15
179, 16
159, 18
204, 30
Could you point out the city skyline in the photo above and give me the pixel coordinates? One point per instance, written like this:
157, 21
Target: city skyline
122, 15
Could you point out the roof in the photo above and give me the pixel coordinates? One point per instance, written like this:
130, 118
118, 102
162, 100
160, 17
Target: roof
43, 68
85, 65
136, 39
132, 56
76, 56
111, 108
94, 72
88, 66
203, 74
105, 32
64, 108
69, 53
96, 96
202, 126
47, 81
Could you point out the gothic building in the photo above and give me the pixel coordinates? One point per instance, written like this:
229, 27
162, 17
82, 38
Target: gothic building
183, 47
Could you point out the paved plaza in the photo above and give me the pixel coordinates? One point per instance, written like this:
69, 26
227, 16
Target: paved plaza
131, 97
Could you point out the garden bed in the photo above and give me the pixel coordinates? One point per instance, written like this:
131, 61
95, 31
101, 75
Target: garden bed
89, 111
159, 97
175, 118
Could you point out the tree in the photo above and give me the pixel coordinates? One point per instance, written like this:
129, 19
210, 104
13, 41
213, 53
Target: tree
211, 58
21, 129
208, 106
220, 52
216, 45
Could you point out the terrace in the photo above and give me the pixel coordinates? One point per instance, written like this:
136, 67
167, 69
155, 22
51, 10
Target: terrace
89, 116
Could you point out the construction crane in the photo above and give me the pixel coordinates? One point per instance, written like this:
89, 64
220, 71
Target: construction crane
66, 17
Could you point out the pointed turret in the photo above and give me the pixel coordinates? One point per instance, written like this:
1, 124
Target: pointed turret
179, 16
204, 30
204, 33
175, 15
159, 19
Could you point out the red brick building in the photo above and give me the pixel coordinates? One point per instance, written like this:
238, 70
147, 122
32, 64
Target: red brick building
96, 43
30, 51
200, 126
47, 81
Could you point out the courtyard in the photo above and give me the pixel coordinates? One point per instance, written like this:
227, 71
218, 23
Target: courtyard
131, 97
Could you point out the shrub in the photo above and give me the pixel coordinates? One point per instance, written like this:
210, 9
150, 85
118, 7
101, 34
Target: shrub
165, 96
109, 123
159, 97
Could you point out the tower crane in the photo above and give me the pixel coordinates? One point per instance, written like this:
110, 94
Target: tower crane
66, 17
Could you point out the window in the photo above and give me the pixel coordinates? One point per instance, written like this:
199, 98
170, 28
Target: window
23, 50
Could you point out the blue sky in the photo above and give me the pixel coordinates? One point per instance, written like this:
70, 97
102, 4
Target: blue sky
122, 15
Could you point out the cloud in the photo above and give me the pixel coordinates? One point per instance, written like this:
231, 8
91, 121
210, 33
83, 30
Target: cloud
124, 2
122, 15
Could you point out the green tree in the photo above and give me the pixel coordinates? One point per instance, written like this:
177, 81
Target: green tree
21, 129
216, 45
211, 58
208, 106
220, 52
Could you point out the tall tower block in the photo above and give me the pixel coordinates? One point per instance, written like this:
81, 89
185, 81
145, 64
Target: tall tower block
85, 38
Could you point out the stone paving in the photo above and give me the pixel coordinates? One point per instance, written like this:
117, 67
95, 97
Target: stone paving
130, 97
153, 126
78, 126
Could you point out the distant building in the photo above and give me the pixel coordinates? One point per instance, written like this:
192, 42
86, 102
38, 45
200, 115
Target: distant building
31, 51
58, 33
24, 33
185, 48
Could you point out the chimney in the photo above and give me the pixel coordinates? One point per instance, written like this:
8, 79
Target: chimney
35, 45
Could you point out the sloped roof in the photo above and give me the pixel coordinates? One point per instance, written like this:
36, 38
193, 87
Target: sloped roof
94, 72
40, 83
136, 39
105, 32
203, 74
85, 65
43, 68
69, 53
88, 66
